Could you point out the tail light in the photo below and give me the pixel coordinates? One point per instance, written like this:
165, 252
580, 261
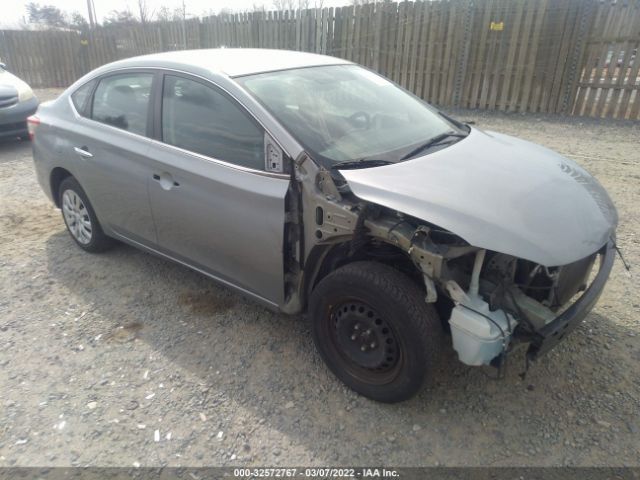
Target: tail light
32, 123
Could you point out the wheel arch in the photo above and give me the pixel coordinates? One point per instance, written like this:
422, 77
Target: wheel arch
58, 174
324, 259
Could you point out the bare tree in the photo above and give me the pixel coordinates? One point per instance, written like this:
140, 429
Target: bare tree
120, 17
165, 14
296, 4
144, 13
284, 4
79, 21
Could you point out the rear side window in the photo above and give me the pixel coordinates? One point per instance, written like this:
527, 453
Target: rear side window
201, 119
122, 101
81, 96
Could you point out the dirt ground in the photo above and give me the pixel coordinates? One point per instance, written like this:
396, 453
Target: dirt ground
125, 359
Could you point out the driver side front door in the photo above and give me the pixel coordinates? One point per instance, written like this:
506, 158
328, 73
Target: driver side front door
214, 205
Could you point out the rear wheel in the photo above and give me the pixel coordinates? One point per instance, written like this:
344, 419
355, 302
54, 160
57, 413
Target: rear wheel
374, 330
80, 218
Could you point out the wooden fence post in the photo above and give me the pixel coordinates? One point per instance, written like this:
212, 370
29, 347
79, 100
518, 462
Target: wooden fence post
577, 57
4, 50
463, 54
161, 47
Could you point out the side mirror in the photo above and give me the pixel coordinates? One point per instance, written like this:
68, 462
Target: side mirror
3, 66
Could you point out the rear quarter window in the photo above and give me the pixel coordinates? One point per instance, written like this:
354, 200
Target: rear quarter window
80, 97
122, 101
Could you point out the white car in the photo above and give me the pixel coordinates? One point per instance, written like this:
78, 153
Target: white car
17, 102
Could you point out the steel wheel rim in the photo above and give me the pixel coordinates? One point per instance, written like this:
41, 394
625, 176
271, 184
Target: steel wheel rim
76, 216
387, 357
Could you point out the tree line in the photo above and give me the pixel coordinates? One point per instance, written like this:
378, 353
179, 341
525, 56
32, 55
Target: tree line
51, 17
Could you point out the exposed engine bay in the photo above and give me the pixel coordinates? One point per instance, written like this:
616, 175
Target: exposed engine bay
490, 301
496, 298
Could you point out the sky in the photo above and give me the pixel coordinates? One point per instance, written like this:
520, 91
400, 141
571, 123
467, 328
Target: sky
14, 10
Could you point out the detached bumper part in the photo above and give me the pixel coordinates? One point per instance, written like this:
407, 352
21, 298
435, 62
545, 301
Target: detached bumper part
548, 336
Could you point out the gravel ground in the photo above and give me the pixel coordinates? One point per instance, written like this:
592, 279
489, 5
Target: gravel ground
123, 359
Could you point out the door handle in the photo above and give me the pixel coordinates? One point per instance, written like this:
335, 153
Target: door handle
165, 180
83, 152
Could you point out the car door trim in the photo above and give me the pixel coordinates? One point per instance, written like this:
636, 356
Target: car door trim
154, 141
280, 176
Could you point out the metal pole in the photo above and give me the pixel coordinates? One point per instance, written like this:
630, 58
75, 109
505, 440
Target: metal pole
184, 27
92, 20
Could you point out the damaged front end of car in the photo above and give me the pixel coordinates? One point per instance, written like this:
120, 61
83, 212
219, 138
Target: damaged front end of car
491, 301
501, 300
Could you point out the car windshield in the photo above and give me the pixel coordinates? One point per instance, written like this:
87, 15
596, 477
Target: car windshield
345, 113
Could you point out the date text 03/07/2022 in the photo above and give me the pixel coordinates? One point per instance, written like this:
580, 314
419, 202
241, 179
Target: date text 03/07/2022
315, 472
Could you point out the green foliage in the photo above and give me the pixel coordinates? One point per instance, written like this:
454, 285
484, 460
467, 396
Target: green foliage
46, 15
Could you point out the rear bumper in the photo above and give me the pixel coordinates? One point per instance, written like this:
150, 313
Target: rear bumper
552, 333
13, 119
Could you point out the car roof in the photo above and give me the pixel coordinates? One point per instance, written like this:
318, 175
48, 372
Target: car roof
234, 62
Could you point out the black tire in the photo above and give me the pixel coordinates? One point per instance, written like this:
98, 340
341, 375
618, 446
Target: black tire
97, 240
396, 315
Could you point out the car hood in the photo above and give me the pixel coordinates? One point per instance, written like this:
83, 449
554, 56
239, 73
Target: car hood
500, 193
8, 91
10, 82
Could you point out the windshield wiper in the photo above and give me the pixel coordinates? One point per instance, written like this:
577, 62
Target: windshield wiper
437, 140
362, 163
464, 125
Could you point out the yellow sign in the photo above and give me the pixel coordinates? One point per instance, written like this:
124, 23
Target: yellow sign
496, 26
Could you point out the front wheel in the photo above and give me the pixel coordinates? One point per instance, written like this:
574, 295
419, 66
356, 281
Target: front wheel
374, 330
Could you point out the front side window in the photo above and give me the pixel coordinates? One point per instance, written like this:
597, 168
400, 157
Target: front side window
122, 101
343, 113
201, 119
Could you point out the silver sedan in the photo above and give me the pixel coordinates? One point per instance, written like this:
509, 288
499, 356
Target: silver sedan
316, 186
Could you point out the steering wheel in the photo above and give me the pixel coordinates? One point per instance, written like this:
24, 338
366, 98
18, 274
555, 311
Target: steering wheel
360, 120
